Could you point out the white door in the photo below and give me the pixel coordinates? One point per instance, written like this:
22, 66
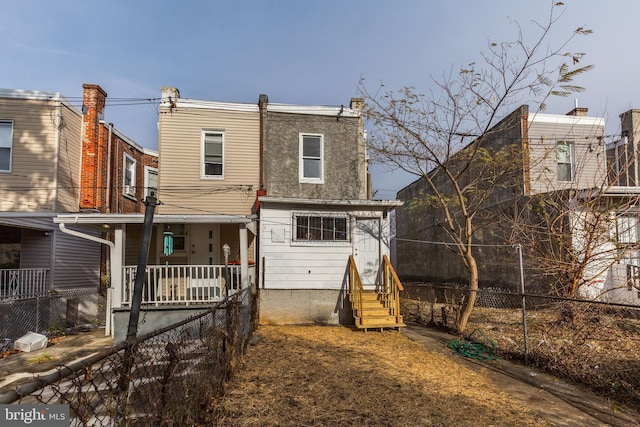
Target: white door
366, 250
204, 244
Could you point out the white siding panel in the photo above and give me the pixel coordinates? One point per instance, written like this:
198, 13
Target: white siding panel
35, 249
181, 188
77, 261
69, 152
29, 187
590, 167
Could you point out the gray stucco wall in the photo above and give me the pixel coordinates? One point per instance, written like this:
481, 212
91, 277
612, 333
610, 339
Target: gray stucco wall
344, 156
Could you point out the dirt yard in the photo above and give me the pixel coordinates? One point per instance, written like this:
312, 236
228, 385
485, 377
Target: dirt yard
329, 375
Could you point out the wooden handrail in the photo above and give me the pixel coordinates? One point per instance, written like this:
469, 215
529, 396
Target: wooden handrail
355, 286
392, 284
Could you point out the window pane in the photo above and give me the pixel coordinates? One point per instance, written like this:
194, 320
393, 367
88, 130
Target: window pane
341, 228
564, 153
213, 155
5, 135
213, 169
302, 223
564, 172
311, 168
5, 158
315, 228
311, 146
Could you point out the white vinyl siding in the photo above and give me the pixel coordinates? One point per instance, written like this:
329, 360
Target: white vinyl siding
212, 154
180, 160
128, 176
6, 143
311, 158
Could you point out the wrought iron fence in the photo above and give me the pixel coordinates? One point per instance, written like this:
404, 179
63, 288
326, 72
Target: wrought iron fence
590, 342
167, 377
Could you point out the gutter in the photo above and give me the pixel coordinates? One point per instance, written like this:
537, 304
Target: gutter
64, 229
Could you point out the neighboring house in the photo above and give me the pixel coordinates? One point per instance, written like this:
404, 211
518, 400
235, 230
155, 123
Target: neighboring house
563, 156
316, 214
47, 167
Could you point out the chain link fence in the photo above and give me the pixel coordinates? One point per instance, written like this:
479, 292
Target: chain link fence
592, 343
166, 378
50, 313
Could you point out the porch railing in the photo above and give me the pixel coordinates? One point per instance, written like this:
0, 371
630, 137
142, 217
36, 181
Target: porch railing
355, 286
184, 284
392, 286
23, 282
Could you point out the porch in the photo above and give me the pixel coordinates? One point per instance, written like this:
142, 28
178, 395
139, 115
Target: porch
18, 283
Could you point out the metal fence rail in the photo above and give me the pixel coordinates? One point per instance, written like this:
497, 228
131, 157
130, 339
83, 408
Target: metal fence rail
594, 343
175, 372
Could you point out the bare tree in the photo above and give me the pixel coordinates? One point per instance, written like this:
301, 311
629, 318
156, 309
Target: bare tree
442, 136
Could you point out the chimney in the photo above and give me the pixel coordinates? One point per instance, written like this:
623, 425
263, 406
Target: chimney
169, 92
357, 104
94, 157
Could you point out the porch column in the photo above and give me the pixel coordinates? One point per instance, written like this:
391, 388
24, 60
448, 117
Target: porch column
114, 293
244, 261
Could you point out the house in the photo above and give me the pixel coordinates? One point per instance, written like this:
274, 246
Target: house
48, 168
316, 214
236, 183
562, 174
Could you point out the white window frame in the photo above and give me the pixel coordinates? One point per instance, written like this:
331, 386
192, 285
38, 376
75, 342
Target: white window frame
130, 189
148, 170
571, 162
302, 158
203, 135
7, 144
320, 238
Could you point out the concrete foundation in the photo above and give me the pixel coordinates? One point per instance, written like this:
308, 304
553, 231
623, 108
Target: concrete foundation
304, 306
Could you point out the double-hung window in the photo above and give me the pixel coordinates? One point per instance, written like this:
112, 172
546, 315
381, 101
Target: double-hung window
311, 158
564, 154
129, 176
212, 154
6, 145
150, 181
320, 227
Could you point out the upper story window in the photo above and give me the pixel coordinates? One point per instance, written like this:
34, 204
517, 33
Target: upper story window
311, 158
212, 154
626, 229
565, 157
6, 145
150, 181
320, 227
622, 165
129, 176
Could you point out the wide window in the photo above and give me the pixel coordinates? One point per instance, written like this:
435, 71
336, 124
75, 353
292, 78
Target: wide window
129, 176
213, 154
564, 153
150, 181
319, 227
311, 158
6, 138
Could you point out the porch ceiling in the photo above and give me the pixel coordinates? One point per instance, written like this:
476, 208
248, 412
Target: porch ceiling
95, 218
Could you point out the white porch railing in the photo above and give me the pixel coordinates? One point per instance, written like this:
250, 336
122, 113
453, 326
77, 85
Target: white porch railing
183, 284
23, 282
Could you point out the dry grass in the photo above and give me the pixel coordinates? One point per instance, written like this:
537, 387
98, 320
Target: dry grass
598, 348
322, 375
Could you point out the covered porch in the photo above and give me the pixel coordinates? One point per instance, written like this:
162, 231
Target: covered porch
206, 258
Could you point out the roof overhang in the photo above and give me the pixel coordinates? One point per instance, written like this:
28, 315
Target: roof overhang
98, 218
356, 203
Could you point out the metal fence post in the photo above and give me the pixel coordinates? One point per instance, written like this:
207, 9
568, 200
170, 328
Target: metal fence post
524, 306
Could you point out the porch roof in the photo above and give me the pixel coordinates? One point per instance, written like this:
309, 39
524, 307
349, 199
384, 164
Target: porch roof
138, 218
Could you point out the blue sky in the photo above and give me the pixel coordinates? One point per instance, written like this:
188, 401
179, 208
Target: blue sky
303, 52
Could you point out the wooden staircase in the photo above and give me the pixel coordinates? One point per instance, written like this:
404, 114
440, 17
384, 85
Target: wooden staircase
376, 309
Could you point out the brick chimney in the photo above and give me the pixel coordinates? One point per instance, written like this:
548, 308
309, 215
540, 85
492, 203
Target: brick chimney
578, 111
94, 150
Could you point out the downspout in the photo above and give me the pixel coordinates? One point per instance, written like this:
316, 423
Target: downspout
64, 229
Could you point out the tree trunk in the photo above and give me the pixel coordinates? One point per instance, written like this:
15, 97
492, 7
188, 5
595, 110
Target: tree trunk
467, 308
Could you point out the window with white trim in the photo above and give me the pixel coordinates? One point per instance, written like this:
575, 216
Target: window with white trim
311, 158
212, 154
6, 145
150, 181
564, 152
129, 176
320, 227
